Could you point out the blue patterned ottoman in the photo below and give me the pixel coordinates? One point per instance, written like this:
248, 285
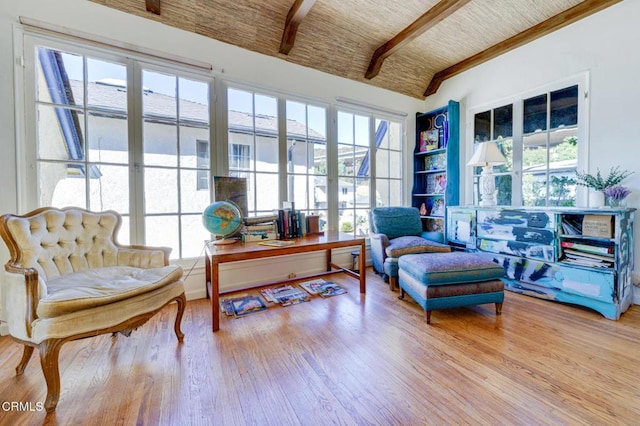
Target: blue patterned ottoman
450, 280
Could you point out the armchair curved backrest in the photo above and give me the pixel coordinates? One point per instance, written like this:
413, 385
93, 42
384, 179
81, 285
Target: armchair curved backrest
396, 221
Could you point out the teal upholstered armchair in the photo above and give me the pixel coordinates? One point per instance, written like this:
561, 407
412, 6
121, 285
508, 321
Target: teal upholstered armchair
397, 231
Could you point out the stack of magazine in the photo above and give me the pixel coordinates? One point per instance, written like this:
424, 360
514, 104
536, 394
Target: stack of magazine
285, 295
323, 288
588, 255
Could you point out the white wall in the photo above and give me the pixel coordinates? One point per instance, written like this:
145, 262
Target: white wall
604, 45
229, 63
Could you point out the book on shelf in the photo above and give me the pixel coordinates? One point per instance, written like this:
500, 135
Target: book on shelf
258, 220
574, 253
587, 263
285, 295
587, 247
571, 226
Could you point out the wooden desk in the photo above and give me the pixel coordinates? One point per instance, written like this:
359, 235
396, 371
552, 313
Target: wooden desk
217, 254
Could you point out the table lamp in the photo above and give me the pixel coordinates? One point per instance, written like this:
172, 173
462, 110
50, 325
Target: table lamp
486, 156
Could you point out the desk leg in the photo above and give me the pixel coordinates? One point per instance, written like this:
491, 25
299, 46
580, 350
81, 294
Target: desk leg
327, 255
361, 266
215, 295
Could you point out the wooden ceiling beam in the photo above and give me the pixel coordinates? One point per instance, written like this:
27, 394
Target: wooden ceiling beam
431, 17
568, 17
295, 16
153, 6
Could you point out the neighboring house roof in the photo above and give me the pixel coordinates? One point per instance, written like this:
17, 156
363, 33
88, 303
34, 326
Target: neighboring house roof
111, 95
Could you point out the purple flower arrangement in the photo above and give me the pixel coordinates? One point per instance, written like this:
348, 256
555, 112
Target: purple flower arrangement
616, 193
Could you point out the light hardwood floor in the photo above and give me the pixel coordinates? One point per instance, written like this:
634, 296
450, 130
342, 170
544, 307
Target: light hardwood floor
349, 359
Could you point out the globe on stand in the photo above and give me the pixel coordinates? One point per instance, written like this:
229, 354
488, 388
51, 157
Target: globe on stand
222, 219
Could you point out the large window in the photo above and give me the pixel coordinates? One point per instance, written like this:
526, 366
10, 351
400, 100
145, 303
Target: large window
539, 137
112, 132
133, 134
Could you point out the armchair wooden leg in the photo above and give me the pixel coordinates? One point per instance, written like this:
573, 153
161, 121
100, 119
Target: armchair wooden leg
49, 351
393, 283
181, 302
428, 316
498, 308
26, 356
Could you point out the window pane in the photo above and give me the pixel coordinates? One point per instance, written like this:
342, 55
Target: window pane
109, 191
298, 191
535, 114
163, 231
345, 160
107, 88
240, 156
193, 235
563, 149
534, 189
345, 127
482, 127
503, 122
124, 233
159, 98
194, 147
395, 136
564, 107
192, 199
60, 77
362, 130
58, 188
319, 158
382, 192
60, 133
194, 101
317, 122
503, 190
296, 119
395, 164
562, 189
362, 161
108, 138
362, 222
160, 190
506, 147
266, 154
318, 189
266, 113
267, 191
534, 153
395, 190
160, 144
382, 163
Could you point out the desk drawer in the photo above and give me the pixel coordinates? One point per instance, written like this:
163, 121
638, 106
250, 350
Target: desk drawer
518, 218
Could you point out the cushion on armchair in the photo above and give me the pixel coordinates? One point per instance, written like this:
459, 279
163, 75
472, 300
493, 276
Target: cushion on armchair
411, 244
101, 286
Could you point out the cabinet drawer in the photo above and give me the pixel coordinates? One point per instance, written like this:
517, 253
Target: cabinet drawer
515, 233
518, 248
518, 218
590, 283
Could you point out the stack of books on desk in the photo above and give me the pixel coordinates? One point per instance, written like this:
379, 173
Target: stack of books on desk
587, 255
258, 229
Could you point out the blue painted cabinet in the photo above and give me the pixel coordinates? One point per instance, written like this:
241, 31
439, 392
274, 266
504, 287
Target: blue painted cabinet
436, 167
571, 255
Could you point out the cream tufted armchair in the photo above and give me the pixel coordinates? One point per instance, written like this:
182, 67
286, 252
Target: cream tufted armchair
68, 279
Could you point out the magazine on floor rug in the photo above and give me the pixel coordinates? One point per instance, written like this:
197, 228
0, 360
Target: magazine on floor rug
323, 288
285, 295
244, 306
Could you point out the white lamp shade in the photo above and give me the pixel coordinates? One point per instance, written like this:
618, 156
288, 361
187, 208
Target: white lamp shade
487, 154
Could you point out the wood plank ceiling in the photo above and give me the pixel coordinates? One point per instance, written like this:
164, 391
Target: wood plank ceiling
408, 46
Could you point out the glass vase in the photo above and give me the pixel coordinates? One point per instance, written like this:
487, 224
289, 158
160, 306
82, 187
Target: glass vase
615, 202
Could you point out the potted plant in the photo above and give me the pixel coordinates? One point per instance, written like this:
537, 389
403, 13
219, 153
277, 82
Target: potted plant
599, 183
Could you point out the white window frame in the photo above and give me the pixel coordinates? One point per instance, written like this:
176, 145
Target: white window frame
582, 81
